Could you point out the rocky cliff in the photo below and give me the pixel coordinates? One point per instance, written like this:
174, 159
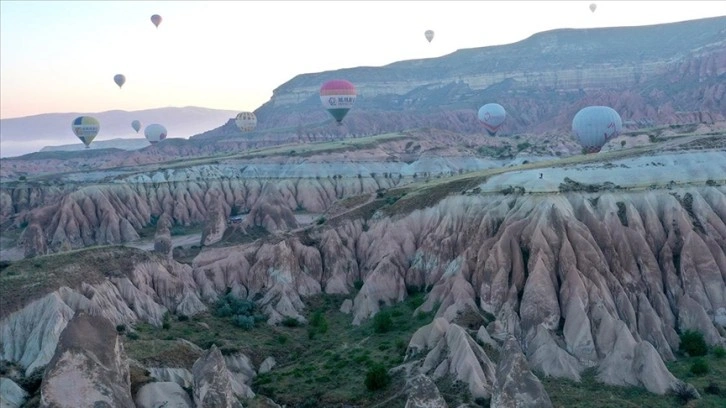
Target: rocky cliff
655, 73
603, 280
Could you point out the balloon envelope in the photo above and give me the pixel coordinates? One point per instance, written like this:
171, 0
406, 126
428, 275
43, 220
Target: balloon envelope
337, 97
119, 79
246, 121
85, 128
492, 115
593, 6
429, 35
156, 19
155, 133
136, 125
593, 126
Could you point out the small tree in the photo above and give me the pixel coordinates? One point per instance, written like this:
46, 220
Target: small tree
699, 367
377, 377
693, 343
382, 322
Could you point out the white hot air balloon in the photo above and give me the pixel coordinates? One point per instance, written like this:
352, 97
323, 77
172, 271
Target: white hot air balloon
246, 121
155, 133
429, 35
492, 115
593, 126
593, 6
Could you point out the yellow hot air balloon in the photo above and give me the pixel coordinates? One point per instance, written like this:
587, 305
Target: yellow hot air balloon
86, 128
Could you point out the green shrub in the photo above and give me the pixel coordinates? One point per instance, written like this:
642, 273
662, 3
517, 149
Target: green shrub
382, 322
719, 352
132, 335
31, 383
693, 344
377, 377
699, 367
120, 328
290, 322
318, 324
223, 310
244, 322
183, 318
712, 388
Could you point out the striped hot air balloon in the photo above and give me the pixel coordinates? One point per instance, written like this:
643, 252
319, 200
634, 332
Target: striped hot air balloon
337, 96
85, 128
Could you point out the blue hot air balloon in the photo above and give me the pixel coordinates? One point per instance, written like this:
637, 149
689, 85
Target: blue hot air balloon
593, 126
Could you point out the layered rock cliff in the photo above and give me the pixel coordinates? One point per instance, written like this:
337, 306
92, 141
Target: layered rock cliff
649, 73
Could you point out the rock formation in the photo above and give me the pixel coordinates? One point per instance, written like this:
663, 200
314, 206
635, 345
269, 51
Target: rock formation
451, 351
423, 393
213, 385
516, 385
89, 367
604, 279
216, 220
11, 394
162, 237
162, 394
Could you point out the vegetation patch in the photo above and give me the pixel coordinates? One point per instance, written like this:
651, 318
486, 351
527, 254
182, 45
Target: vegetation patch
693, 344
326, 361
30, 279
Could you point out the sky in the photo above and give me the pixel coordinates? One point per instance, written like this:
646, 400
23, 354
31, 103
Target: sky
61, 56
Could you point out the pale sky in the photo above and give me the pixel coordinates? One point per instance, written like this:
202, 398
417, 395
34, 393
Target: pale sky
61, 56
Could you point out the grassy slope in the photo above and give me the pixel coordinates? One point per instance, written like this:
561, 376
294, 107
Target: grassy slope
328, 367
30, 279
592, 394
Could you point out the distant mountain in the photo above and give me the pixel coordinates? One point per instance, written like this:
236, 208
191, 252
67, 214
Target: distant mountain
31, 133
667, 73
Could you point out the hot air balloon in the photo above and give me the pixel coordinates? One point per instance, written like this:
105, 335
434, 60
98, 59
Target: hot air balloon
85, 128
337, 96
136, 125
246, 121
593, 6
593, 126
156, 19
155, 133
429, 35
492, 115
119, 79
